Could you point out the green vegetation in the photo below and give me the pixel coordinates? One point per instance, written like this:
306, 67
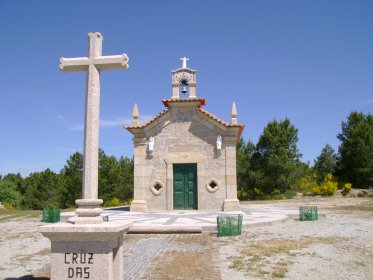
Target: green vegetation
309, 185
272, 169
346, 189
325, 163
49, 189
355, 162
10, 197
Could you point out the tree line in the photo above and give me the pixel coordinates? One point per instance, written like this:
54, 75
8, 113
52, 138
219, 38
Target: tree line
50, 189
272, 167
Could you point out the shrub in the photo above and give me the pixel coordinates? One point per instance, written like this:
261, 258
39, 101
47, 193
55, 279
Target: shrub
308, 184
258, 194
276, 192
316, 191
9, 194
128, 201
329, 186
258, 191
8, 206
289, 194
52, 204
242, 195
346, 188
112, 203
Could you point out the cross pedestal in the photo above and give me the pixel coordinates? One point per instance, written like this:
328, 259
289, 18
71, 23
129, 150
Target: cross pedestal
89, 248
86, 252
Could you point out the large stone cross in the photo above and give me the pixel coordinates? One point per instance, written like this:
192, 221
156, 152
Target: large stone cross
89, 207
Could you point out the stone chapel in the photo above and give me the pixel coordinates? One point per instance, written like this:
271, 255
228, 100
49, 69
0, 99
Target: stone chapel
185, 157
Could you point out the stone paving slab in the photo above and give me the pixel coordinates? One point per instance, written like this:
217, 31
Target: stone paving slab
253, 215
171, 256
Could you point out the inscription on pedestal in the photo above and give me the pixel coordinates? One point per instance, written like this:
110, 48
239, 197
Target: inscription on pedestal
78, 265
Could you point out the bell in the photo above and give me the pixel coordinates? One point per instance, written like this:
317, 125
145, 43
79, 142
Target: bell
184, 90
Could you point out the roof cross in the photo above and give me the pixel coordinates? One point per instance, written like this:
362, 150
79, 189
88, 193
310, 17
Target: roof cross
184, 59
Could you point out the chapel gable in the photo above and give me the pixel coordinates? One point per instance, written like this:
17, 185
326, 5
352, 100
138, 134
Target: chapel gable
185, 157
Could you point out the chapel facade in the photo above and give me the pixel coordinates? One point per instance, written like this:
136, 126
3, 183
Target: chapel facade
185, 157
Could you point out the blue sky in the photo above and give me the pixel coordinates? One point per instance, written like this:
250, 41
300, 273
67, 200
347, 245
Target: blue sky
311, 61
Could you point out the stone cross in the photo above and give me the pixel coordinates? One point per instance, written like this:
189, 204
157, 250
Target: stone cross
89, 207
184, 59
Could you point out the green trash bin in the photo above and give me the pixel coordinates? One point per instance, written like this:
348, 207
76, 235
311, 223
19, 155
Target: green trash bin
105, 218
51, 215
308, 213
229, 225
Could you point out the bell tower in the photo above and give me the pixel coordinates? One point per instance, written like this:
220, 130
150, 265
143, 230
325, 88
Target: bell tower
184, 81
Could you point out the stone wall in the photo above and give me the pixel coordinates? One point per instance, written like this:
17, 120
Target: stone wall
184, 136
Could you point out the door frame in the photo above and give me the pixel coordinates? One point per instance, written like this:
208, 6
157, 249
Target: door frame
183, 158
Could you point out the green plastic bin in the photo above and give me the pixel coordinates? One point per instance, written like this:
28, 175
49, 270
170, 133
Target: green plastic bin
229, 225
308, 213
105, 218
51, 215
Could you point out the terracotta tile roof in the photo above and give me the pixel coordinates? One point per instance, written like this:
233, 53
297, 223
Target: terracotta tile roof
207, 113
128, 127
201, 100
203, 111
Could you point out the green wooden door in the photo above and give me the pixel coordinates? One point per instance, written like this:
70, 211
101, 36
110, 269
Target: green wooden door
185, 186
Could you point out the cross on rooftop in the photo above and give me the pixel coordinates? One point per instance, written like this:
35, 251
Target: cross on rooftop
184, 59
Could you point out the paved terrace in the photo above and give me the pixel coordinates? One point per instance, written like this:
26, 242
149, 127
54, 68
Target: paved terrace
194, 221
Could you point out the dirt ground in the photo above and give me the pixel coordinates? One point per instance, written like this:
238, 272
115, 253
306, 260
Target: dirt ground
338, 246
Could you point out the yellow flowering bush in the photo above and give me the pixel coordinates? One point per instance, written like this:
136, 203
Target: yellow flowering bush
329, 186
112, 203
346, 188
309, 184
8, 206
316, 191
258, 191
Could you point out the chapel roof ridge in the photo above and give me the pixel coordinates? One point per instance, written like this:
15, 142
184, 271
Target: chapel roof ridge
240, 127
129, 127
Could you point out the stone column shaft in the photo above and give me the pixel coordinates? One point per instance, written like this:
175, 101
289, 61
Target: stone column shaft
91, 134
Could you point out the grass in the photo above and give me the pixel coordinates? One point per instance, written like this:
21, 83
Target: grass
278, 274
272, 257
11, 214
368, 208
237, 263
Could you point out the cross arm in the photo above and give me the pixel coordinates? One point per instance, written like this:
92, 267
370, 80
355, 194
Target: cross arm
73, 64
111, 62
